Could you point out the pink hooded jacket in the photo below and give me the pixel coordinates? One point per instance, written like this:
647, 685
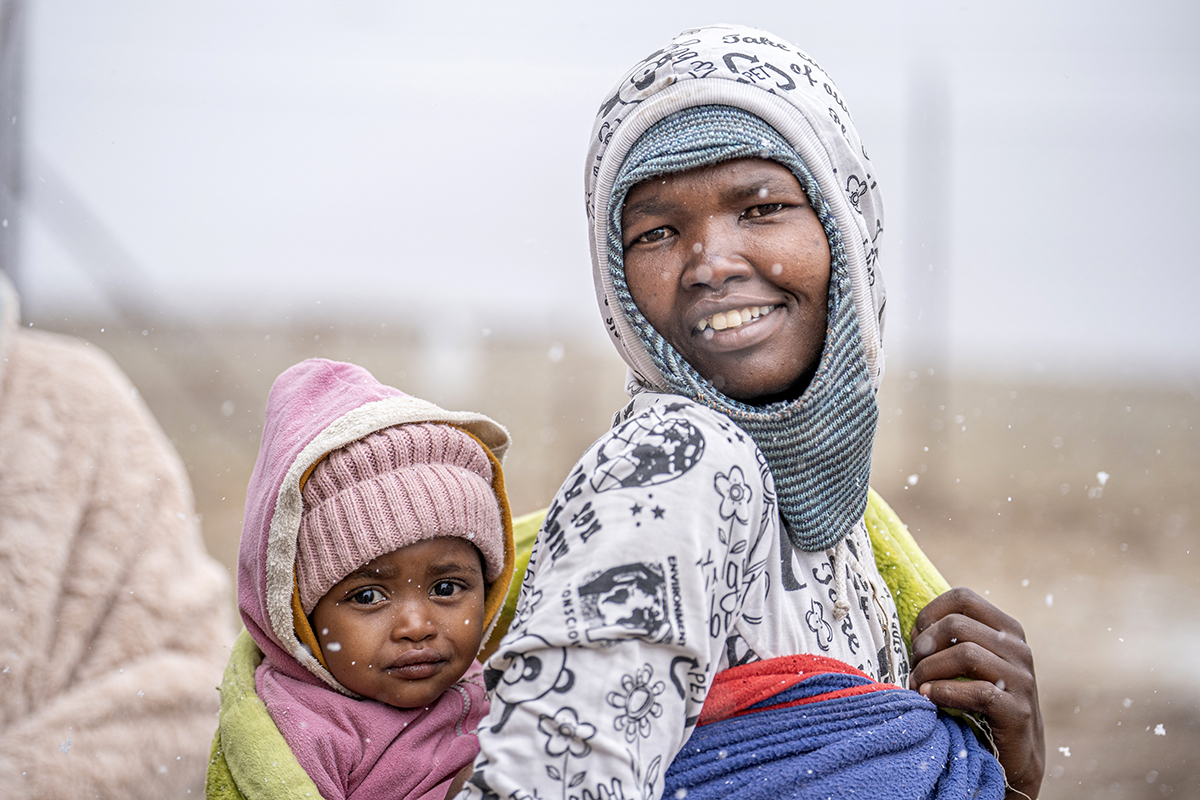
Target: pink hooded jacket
351, 747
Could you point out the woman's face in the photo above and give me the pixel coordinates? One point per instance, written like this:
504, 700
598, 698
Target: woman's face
730, 265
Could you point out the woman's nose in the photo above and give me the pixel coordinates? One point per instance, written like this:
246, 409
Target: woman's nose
714, 261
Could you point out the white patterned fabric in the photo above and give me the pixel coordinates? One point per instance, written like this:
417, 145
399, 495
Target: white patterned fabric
661, 562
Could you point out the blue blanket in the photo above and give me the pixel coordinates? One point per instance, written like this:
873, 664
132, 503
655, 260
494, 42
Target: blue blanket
828, 734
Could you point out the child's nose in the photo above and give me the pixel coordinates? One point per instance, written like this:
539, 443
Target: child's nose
413, 622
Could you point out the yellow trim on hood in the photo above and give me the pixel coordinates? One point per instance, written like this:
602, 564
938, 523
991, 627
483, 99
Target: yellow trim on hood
493, 601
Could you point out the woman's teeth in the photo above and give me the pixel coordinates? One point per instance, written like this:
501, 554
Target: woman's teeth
732, 319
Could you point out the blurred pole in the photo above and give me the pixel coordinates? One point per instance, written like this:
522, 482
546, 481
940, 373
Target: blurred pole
930, 154
207, 374
12, 121
98, 250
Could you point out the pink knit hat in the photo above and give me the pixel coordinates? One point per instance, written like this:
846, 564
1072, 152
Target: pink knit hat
397, 486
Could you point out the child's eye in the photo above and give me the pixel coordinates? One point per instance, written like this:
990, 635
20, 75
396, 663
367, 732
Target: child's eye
366, 597
445, 589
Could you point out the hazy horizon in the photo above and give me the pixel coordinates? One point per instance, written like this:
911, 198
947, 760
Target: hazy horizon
424, 165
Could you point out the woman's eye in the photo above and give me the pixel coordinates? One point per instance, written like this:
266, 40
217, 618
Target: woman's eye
445, 589
766, 209
366, 597
656, 235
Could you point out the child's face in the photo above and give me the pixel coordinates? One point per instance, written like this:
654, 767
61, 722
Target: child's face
738, 236
405, 627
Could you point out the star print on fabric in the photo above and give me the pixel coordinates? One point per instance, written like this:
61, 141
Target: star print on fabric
658, 512
635, 509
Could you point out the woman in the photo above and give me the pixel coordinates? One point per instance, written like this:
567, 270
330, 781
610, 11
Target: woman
716, 534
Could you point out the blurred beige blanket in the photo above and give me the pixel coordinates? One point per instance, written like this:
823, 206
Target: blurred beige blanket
116, 623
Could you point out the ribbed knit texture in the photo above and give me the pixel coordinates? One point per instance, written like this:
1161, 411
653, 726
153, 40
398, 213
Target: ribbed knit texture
817, 446
396, 487
825, 733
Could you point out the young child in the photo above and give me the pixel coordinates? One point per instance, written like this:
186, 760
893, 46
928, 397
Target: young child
705, 589
376, 553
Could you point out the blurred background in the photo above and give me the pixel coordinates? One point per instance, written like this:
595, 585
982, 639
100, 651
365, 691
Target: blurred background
214, 191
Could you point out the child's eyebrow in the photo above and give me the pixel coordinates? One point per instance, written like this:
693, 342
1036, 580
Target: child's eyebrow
369, 573
449, 567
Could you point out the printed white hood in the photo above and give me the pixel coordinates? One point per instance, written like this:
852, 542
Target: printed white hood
748, 69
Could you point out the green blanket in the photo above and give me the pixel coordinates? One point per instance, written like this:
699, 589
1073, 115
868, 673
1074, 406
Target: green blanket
251, 761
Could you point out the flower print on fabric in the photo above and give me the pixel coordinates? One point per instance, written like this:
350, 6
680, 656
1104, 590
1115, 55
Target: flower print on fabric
528, 601
815, 619
565, 733
566, 736
744, 563
647, 450
735, 495
638, 702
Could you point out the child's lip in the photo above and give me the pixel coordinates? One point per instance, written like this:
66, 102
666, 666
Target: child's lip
421, 663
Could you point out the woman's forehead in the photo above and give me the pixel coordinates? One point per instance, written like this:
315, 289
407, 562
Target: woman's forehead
736, 179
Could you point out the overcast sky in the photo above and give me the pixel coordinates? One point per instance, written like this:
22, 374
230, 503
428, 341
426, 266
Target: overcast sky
423, 162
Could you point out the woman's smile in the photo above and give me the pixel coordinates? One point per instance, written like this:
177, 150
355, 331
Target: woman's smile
738, 328
733, 319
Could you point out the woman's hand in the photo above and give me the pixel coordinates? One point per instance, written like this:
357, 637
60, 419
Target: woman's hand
959, 634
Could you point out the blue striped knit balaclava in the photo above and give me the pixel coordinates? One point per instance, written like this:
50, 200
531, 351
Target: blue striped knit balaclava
818, 446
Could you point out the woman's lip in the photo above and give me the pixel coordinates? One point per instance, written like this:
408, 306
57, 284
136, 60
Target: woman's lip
704, 311
745, 335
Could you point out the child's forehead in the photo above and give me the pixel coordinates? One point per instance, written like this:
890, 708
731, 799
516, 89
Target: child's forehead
436, 554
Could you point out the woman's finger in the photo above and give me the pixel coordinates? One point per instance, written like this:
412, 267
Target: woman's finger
964, 602
954, 630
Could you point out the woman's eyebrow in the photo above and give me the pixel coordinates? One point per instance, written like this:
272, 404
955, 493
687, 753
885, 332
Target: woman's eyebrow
649, 207
758, 188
